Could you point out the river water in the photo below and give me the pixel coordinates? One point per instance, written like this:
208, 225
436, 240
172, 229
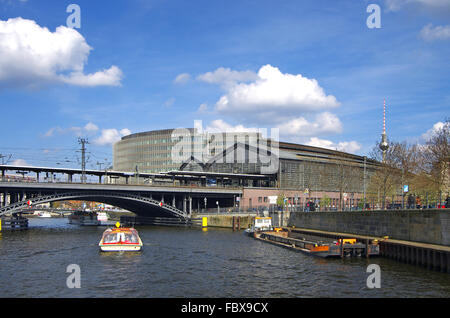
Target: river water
189, 262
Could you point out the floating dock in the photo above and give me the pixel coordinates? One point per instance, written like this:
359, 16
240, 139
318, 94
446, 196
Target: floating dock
342, 247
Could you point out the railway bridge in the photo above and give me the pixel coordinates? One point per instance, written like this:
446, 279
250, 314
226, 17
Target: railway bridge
143, 200
171, 194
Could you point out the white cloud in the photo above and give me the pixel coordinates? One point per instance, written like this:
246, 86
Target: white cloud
432, 131
218, 125
203, 108
109, 77
395, 5
275, 96
125, 132
169, 103
324, 123
110, 136
345, 146
296, 106
182, 78
88, 129
91, 127
294, 134
19, 162
31, 56
227, 77
430, 33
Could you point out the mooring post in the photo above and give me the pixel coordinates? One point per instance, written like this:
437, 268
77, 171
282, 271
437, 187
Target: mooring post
367, 248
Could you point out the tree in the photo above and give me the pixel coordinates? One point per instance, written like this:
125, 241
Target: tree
435, 161
385, 180
280, 199
346, 176
325, 202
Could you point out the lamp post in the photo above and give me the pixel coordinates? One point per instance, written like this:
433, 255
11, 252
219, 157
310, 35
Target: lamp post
364, 194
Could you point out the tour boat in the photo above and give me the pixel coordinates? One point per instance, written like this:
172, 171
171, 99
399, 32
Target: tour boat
44, 215
260, 224
84, 218
120, 239
102, 217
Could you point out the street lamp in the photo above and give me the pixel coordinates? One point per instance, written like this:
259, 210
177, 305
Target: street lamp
364, 195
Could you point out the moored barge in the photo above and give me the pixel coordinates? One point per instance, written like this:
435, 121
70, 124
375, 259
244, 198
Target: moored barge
339, 248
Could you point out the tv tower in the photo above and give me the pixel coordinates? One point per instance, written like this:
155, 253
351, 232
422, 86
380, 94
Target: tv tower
384, 144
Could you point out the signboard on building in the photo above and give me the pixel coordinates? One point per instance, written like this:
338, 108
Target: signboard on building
273, 199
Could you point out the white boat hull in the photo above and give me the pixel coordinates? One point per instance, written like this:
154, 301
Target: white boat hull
120, 248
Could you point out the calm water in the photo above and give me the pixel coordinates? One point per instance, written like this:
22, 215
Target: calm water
191, 263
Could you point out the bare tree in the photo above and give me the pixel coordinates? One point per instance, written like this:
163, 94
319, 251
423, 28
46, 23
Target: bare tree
347, 175
435, 161
385, 180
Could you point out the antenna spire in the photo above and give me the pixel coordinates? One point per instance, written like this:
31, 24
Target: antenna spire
384, 116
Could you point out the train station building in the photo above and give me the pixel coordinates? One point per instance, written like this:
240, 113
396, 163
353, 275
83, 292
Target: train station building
266, 169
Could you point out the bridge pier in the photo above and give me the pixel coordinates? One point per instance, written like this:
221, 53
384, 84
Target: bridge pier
5, 198
190, 205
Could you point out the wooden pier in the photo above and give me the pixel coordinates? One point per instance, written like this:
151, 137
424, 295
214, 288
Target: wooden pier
236, 223
13, 223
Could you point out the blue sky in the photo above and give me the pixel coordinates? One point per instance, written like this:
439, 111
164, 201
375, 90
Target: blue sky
313, 69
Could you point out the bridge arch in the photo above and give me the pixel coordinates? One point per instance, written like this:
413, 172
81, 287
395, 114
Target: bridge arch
140, 205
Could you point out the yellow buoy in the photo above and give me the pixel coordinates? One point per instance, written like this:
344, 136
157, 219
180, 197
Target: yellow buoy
205, 221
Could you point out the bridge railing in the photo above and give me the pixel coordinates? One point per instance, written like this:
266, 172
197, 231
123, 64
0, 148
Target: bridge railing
155, 185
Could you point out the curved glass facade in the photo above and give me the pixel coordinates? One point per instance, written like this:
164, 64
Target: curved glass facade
148, 152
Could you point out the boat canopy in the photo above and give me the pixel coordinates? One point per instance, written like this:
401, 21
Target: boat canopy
112, 237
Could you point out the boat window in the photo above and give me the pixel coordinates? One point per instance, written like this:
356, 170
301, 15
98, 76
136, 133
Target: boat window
112, 238
121, 237
130, 238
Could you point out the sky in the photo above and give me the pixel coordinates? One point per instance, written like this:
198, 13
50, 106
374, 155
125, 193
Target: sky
318, 71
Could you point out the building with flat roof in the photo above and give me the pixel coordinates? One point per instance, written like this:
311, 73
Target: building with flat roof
165, 150
297, 172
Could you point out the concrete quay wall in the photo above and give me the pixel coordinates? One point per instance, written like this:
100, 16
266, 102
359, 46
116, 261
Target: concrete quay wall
430, 226
226, 221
